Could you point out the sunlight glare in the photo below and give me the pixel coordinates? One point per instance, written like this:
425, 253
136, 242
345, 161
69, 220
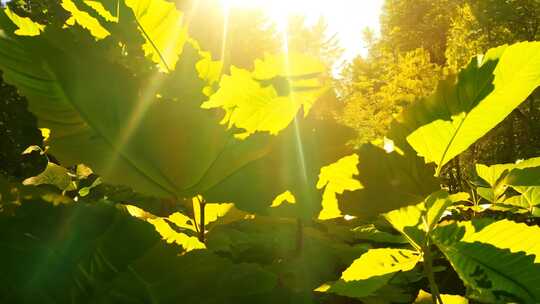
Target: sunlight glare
227, 4
346, 18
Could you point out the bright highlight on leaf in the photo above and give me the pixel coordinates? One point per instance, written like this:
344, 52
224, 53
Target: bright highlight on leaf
477, 258
417, 222
172, 236
426, 298
379, 262
335, 179
83, 19
285, 197
492, 174
46, 133
269, 98
210, 71
101, 10
212, 212
462, 111
505, 234
147, 107
164, 30
499, 177
528, 201
26, 27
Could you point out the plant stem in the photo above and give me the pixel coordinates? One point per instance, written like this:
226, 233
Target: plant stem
202, 205
458, 174
428, 271
299, 236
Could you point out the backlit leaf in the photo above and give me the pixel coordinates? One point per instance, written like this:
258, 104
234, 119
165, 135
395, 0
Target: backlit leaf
418, 221
26, 27
426, 298
164, 29
389, 181
379, 262
464, 109
172, 236
335, 179
492, 174
83, 19
267, 99
53, 175
102, 11
476, 256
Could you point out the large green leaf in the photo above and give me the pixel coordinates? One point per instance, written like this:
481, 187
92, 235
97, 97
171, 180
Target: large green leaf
370, 274
464, 109
149, 130
389, 181
272, 242
292, 165
378, 262
65, 92
164, 30
476, 250
506, 234
96, 252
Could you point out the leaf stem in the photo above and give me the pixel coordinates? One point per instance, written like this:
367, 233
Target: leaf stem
428, 271
202, 205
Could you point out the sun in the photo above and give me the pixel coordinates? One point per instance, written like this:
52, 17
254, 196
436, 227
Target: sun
273, 8
345, 18
276, 10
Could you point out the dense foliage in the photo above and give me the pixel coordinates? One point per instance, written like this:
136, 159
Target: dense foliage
423, 42
169, 168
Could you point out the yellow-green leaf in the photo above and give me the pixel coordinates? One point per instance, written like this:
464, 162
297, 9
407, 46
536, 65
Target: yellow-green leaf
83, 19
164, 29
408, 221
26, 27
101, 10
416, 222
378, 262
211, 211
335, 179
426, 298
172, 236
285, 197
209, 70
505, 234
182, 221
497, 261
52, 175
492, 174
267, 100
464, 109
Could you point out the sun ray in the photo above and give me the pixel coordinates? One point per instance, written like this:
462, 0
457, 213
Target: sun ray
226, 16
